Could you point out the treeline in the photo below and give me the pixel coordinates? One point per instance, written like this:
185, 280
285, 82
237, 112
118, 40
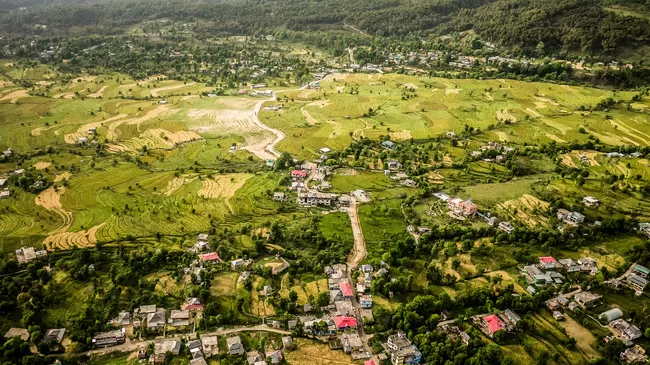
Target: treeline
532, 27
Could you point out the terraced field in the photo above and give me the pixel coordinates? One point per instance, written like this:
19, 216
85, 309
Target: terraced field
354, 105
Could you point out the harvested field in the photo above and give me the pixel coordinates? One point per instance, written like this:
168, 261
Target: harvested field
400, 136
177, 183
223, 186
529, 210
156, 92
533, 113
584, 338
42, 165
62, 176
99, 93
50, 199
452, 91
546, 100
314, 353
68, 240
161, 110
568, 161
14, 96
503, 115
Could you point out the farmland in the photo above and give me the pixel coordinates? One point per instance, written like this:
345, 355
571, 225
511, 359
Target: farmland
404, 107
120, 171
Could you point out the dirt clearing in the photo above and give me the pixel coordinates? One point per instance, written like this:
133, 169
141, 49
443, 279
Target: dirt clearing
452, 91
99, 93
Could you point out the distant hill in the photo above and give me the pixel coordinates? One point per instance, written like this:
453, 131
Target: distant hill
536, 27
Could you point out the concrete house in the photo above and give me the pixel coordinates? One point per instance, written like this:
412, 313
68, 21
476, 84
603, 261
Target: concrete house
401, 350
586, 299
235, 346
572, 218
388, 144
279, 197
54, 335
179, 318
156, 319
641, 271
351, 342
590, 201
365, 301
110, 338
210, 345
637, 282
644, 228
463, 208
393, 165
506, 227
491, 324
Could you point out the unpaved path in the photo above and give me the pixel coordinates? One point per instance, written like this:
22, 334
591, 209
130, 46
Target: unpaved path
269, 152
355, 257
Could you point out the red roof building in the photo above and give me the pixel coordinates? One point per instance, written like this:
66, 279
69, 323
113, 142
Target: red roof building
369, 362
346, 289
547, 260
344, 322
491, 324
193, 304
210, 256
299, 173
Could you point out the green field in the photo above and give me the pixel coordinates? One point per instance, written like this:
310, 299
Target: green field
405, 107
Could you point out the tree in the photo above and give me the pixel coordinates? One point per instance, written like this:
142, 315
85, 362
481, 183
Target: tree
293, 296
323, 299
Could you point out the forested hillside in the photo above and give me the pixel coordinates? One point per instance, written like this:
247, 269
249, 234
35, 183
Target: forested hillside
536, 27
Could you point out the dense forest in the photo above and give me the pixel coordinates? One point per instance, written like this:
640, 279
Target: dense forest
533, 27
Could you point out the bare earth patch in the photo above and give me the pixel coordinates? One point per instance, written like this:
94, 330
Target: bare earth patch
314, 353
452, 91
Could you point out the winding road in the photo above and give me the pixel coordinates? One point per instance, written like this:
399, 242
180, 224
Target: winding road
269, 152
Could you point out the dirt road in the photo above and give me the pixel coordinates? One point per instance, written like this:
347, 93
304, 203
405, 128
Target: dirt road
359, 249
355, 257
269, 152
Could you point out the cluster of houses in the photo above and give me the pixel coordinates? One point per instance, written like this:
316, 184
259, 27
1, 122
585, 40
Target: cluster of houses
491, 149
53, 337
619, 327
318, 197
457, 206
401, 350
636, 278
25, 255
235, 347
492, 323
581, 299
546, 271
